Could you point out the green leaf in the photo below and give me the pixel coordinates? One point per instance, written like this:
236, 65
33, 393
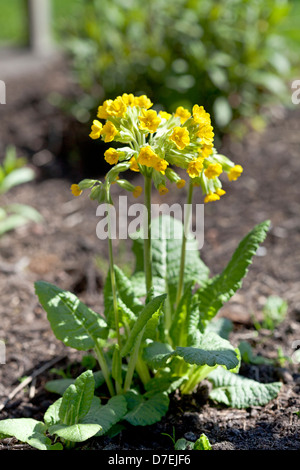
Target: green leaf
28, 212
148, 311
77, 399
145, 411
221, 288
107, 415
166, 251
202, 443
237, 391
184, 444
72, 322
167, 383
186, 318
12, 222
248, 357
129, 304
212, 350
29, 431
16, 177
156, 354
51, 416
76, 432
59, 386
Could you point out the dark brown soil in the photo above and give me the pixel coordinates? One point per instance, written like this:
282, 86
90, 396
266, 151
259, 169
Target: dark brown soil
65, 250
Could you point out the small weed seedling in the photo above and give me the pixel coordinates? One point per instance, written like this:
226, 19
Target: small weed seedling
157, 332
13, 172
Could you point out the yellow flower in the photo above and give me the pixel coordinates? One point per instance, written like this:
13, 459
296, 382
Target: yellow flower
213, 170
76, 191
104, 110
161, 165
180, 137
180, 183
137, 191
111, 156
162, 189
165, 115
220, 192
194, 168
143, 102
147, 157
133, 164
110, 131
96, 129
235, 172
200, 115
183, 113
206, 151
206, 134
129, 100
117, 108
149, 120
211, 197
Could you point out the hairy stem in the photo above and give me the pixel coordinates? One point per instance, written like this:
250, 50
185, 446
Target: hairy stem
187, 220
147, 235
133, 361
104, 369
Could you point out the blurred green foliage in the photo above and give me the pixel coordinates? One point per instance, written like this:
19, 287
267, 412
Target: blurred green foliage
230, 56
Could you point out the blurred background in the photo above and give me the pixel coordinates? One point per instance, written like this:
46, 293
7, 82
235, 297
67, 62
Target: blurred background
61, 59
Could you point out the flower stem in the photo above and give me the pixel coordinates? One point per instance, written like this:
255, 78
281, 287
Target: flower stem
112, 275
104, 369
147, 235
187, 219
132, 361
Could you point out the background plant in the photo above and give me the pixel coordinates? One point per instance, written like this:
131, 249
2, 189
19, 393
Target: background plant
13, 172
233, 56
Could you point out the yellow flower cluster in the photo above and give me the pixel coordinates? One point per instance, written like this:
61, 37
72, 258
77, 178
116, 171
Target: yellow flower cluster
158, 143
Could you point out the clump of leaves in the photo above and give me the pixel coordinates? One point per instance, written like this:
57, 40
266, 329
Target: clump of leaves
157, 331
75, 417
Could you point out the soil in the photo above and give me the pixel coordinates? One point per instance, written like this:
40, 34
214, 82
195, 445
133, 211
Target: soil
63, 249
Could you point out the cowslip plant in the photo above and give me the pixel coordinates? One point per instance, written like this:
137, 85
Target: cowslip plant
157, 332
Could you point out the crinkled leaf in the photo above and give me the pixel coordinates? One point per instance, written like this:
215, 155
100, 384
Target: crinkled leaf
237, 391
166, 242
77, 399
212, 350
128, 302
221, 288
30, 431
166, 383
107, 415
146, 411
156, 354
148, 311
72, 321
76, 432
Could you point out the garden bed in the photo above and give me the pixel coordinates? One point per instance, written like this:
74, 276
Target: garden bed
65, 251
